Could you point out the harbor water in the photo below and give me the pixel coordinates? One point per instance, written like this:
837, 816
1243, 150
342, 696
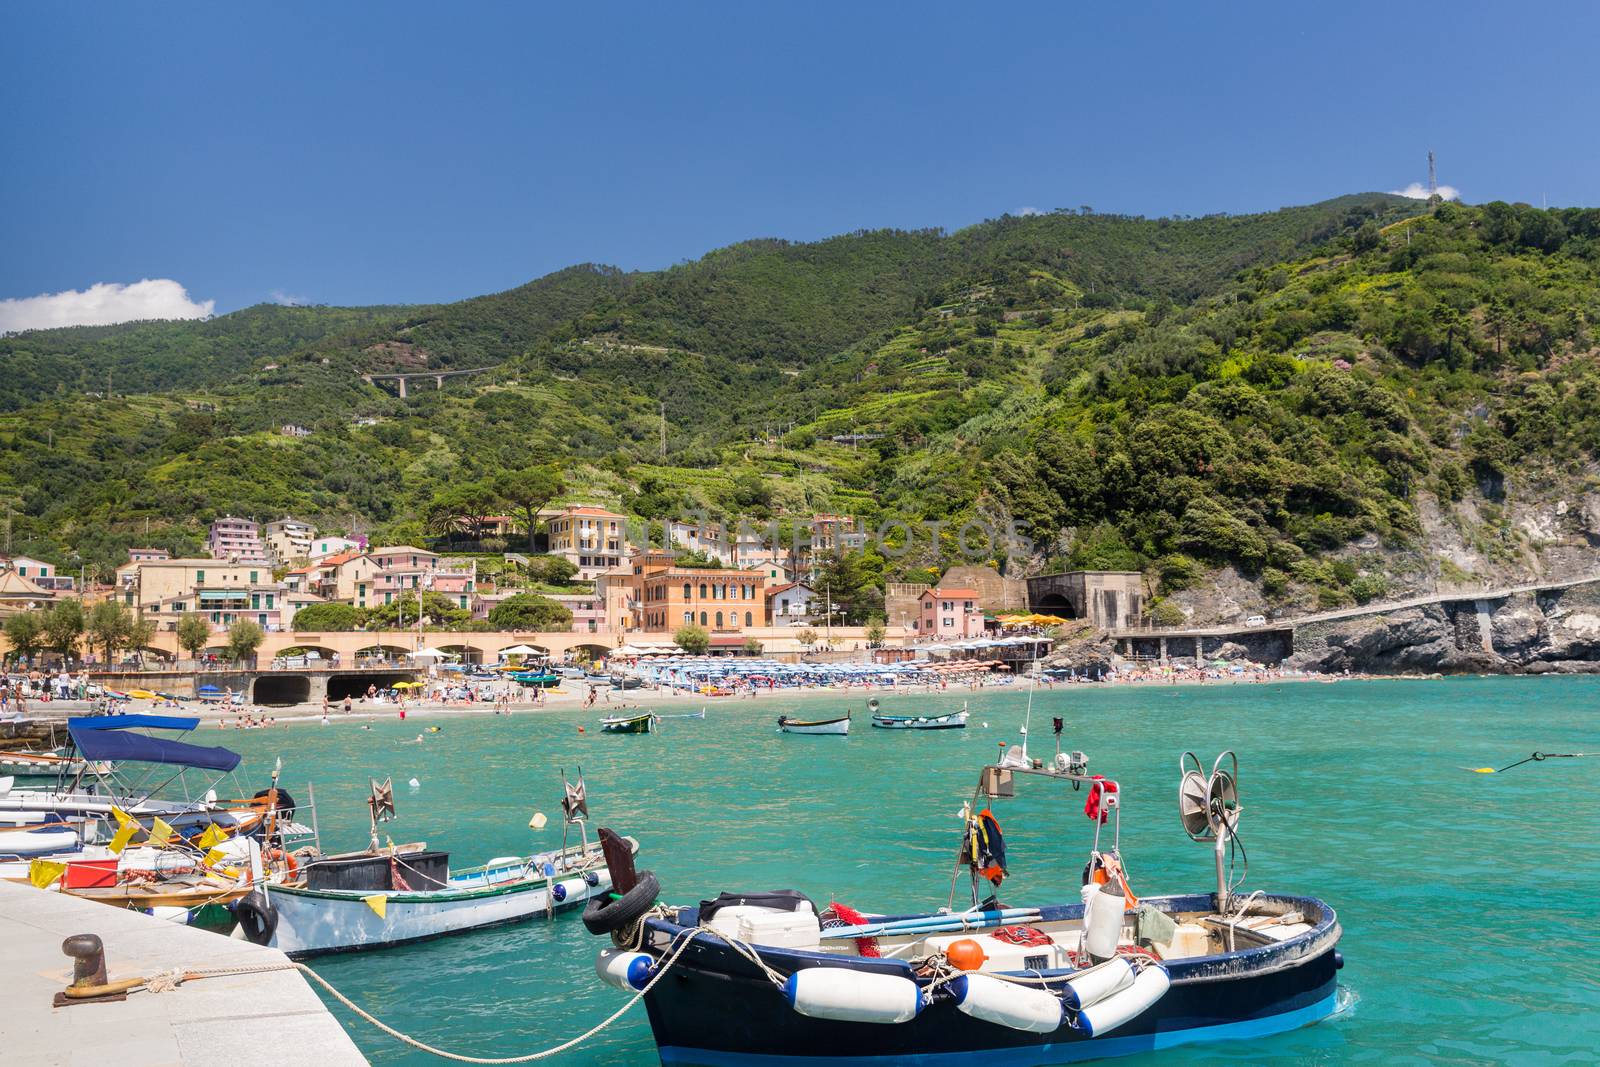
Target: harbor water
1467, 899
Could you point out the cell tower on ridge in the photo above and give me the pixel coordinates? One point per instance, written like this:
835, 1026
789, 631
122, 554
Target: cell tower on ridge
1433, 178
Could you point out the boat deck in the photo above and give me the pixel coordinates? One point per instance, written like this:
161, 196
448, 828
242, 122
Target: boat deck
245, 1020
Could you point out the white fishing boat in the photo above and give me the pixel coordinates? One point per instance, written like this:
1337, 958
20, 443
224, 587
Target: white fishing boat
955, 720
835, 727
394, 895
140, 774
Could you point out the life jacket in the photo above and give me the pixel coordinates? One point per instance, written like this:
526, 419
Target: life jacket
984, 848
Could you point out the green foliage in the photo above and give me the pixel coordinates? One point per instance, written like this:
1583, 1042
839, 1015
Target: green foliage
529, 611
194, 633
550, 570
752, 646
244, 637
692, 638
63, 626
875, 631
437, 610
25, 633
324, 618
1227, 390
1165, 613
108, 627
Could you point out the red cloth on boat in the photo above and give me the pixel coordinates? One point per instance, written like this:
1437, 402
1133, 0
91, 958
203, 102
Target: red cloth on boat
867, 946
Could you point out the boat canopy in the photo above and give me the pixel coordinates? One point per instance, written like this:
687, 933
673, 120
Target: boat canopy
131, 722
100, 744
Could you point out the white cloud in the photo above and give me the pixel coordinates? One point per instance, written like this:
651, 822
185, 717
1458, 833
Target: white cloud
1418, 191
288, 300
1027, 211
103, 303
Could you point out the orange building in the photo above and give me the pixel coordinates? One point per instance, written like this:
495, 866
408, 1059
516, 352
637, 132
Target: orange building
726, 602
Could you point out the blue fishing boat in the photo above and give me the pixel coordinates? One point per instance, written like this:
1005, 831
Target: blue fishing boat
771, 978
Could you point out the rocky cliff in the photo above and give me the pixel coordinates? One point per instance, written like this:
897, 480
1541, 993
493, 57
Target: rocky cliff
1554, 631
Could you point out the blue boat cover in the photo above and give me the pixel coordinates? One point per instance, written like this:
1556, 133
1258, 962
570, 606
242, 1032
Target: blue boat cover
99, 744
131, 722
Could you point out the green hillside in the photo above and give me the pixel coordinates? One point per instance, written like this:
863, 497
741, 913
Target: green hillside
1262, 393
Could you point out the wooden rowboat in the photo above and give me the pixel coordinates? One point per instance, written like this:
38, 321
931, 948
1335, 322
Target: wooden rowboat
836, 727
638, 724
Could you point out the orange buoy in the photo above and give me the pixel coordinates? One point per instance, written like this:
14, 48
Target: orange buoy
965, 955
580, 729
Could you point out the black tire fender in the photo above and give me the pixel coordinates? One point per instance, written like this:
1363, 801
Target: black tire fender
608, 912
257, 918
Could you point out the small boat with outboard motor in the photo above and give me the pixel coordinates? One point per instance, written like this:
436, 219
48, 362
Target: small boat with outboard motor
839, 727
954, 720
395, 894
770, 977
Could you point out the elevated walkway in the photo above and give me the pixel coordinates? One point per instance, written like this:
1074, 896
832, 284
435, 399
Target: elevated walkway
263, 1019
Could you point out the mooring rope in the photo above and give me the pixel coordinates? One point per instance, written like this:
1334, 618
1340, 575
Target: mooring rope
164, 981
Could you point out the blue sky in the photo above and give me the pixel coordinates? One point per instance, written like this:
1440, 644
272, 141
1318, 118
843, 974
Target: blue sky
347, 153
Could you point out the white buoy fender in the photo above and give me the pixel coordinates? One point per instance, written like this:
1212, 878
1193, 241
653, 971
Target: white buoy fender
1147, 988
853, 996
1102, 920
1007, 1004
627, 971
1096, 983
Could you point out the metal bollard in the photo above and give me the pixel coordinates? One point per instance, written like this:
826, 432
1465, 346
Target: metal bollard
88, 954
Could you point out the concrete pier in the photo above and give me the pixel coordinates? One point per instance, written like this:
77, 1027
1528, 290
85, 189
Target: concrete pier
265, 1019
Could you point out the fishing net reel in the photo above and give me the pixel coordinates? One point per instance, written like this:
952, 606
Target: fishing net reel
1208, 806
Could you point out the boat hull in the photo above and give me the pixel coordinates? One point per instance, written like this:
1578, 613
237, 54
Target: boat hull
641, 725
821, 727
954, 721
717, 1010
312, 922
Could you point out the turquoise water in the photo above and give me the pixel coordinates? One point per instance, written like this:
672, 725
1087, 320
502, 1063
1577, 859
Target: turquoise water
1468, 901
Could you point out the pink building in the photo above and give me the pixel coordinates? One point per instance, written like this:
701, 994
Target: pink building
949, 615
236, 539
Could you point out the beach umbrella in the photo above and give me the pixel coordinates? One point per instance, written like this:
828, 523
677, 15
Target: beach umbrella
209, 689
430, 653
520, 650
143, 694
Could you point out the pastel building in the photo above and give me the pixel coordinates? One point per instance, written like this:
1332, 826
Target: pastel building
289, 539
236, 539
592, 539
949, 615
725, 602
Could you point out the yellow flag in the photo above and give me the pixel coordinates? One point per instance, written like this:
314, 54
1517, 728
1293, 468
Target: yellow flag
124, 835
214, 857
378, 903
160, 833
214, 835
122, 817
44, 873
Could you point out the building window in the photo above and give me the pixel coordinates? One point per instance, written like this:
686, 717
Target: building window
688, 591
253, 576
747, 618
199, 576
702, 590
688, 616
719, 620
702, 618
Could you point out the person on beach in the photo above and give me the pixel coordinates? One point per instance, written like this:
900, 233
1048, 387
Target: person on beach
347, 703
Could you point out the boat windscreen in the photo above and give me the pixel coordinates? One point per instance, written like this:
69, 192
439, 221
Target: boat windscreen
114, 745
131, 722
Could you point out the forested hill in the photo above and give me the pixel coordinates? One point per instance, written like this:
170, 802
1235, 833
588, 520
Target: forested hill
781, 302
1314, 406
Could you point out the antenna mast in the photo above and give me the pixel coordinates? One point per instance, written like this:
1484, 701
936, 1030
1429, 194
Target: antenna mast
1433, 178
